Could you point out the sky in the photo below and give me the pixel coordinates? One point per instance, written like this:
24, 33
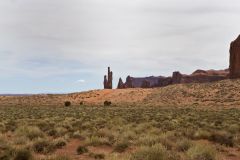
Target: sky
62, 46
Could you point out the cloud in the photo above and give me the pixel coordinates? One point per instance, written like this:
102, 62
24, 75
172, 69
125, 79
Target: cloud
81, 81
45, 41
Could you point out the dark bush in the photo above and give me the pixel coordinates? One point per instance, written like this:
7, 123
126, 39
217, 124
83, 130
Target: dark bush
222, 138
97, 156
43, 147
67, 103
107, 103
81, 103
23, 154
81, 150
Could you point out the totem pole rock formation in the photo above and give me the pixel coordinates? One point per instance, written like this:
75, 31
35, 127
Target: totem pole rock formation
235, 59
108, 80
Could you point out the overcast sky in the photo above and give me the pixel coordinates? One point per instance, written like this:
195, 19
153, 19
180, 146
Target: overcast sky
55, 46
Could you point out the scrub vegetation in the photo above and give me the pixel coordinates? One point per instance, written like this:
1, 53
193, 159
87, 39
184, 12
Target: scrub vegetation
119, 133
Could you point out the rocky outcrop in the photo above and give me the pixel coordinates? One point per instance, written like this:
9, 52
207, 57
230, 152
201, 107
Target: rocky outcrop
234, 66
146, 84
121, 85
199, 76
108, 79
176, 77
129, 82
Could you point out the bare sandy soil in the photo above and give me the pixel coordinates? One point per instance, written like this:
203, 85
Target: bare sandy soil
223, 93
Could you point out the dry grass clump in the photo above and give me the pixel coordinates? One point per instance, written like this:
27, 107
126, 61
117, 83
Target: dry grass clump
31, 132
201, 152
155, 152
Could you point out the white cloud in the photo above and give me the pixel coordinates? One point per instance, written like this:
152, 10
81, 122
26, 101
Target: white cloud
43, 38
81, 81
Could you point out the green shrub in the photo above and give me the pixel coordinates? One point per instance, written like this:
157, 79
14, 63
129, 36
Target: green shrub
43, 146
81, 150
201, 152
31, 132
156, 152
23, 154
67, 103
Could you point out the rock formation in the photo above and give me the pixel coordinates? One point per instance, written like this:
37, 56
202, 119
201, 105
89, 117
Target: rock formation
176, 77
129, 82
146, 84
108, 80
121, 85
199, 76
235, 59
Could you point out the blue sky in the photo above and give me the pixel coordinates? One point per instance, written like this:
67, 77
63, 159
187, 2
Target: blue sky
61, 46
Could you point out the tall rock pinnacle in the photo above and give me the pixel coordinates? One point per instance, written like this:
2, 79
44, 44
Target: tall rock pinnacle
235, 59
108, 79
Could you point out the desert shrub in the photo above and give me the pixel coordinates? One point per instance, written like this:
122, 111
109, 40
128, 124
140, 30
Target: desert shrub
107, 103
148, 140
156, 152
77, 134
44, 125
183, 145
172, 155
11, 125
21, 140
23, 154
59, 157
97, 141
43, 146
167, 140
202, 134
121, 146
2, 127
81, 150
222, 138
234, 128
58, 132
201, 152
6, 155
59, 143
81, 103
97, 155
31, 132
67, 103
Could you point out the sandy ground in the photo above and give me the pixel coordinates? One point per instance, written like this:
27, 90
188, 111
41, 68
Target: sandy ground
223, 94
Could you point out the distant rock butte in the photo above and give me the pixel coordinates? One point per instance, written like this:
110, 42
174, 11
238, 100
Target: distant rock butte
198, 76
234, 66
